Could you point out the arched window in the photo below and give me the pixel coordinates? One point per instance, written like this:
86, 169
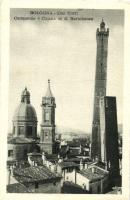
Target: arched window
21, 131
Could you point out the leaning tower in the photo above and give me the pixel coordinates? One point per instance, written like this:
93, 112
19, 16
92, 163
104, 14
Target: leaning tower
100, 86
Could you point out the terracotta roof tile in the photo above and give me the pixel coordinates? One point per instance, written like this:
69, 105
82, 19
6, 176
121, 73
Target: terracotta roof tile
68, 164
92, 176
34, 173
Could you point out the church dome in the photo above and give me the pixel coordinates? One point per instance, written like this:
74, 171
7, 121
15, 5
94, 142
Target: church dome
25, 111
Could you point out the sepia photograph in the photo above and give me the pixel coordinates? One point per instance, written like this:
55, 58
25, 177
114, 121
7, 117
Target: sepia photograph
65, 105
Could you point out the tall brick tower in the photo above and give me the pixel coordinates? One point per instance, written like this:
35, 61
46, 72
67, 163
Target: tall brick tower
109, 134
100, 86
47, 136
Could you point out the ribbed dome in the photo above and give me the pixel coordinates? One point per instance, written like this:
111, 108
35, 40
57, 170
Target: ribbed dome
25, 112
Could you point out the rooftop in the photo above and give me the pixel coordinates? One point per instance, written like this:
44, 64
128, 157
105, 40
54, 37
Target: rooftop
37, 159
100, 164
22, 163
74, 143
52, 157
68, 164
93, 176
34, 154
74, 159
72, 188
20, 140
34, 174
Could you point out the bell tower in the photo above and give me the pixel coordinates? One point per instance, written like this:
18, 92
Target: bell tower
47, 135
100, 87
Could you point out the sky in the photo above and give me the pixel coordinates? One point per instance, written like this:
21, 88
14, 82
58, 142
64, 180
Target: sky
64, 51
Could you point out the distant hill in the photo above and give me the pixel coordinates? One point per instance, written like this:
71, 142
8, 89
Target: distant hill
69, 133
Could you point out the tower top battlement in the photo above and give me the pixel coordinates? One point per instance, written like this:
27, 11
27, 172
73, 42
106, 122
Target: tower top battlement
102, 25
102, 30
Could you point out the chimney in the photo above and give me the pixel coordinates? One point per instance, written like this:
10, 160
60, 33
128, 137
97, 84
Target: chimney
29, 159
33, 163
8, 174
93, 170
55, 168
86, 166
81, 164
60, 160
12, 171
43, 158
52, 168
47, 163
105, 166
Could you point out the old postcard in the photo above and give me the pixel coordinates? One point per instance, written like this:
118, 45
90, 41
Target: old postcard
65, 122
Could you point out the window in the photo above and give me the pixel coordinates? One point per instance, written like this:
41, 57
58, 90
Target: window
54, 183
29, 131
10, 153
21, 130
90, 190
47, 117
46, 135
25, 152
35, 130
36, 185
70, 169
106, 103
14, 130
98, 189
84, 186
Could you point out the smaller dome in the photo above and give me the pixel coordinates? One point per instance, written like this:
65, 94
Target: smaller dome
26, 92
25, 112
25, 96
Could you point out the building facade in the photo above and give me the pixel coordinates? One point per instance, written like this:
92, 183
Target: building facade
109, 134
47, 135
18, 148
94, 179
100, 86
